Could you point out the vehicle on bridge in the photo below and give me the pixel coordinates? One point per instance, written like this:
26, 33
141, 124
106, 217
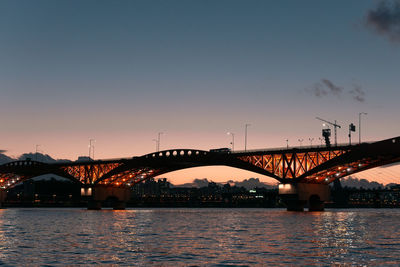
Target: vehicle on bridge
221, 150
304, 172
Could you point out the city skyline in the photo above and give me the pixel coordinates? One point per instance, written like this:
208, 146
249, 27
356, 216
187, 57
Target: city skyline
122, 72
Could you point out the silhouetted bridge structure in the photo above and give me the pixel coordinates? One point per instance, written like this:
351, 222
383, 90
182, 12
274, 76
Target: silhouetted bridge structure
303, 172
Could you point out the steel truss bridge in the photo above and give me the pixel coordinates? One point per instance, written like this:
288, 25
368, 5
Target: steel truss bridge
312, 165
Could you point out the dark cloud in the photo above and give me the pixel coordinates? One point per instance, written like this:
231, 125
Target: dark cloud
333, 89
327, 88
385, 19
317, 90
357, 93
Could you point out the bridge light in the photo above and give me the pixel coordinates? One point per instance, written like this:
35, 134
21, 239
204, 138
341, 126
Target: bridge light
326, 179
337, 174
359, 165
348, 169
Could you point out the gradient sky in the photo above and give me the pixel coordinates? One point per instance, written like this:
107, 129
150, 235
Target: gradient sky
122, 71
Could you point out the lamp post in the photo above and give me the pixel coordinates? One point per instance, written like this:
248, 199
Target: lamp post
90, 147
245, 135
36, 152
359, 125
311, 140
158, 140
300, 141
321, 139
287, 143
233, 140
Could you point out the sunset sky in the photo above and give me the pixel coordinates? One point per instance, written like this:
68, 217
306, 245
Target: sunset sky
120, 72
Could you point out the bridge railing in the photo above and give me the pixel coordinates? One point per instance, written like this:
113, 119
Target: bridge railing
288, 148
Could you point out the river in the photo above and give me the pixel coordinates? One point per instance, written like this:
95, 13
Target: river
201, 237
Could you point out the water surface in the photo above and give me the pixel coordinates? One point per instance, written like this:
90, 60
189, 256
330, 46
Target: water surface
203, 237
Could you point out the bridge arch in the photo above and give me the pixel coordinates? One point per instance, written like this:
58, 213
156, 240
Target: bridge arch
317, 164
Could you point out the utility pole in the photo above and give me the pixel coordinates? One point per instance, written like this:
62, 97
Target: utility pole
335, 126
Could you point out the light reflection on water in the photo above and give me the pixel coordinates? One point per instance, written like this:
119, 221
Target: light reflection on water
178, 237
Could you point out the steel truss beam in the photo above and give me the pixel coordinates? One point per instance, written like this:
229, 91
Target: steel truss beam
310, 165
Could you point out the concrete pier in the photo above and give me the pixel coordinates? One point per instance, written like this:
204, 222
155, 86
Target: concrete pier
3, 195
297, 196
99, 194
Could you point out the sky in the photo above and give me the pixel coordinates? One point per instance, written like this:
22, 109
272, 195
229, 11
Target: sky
120, 72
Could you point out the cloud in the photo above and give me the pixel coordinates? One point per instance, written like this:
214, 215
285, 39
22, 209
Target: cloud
317, 90
326, 88
385, 19
333, 89
357, 93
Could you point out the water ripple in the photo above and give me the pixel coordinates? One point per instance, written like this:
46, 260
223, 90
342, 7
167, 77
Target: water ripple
199, 237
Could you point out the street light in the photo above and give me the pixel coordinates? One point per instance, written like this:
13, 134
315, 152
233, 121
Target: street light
36, 153
245, 135
359, 125
321, 139
300, 141
233, 140
311, 140
287, 143
90, 147
158, 141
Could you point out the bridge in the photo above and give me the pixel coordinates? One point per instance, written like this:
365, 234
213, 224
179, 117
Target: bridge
304, 173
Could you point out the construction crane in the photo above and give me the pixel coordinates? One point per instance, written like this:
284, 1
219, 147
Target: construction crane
335, 125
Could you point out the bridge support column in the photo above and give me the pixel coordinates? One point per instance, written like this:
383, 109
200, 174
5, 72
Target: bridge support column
3, 195
115, 196
296, 196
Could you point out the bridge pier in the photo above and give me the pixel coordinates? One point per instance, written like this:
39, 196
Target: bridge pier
117, 196
297, 196
3, 195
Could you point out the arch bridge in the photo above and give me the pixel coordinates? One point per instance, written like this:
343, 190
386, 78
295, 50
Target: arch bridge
302, 171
